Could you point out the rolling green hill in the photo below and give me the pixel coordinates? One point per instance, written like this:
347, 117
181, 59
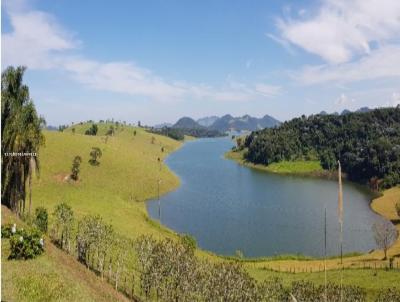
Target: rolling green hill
116, 190
127, 175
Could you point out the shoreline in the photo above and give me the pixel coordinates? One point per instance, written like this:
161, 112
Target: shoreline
230, 155
280, 261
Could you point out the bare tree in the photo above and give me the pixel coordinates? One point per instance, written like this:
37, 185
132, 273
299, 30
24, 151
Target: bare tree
384, 234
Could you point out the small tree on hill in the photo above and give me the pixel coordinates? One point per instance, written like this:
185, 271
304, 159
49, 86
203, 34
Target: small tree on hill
73, 130
63, 218
41, 219
92, 130
111, 131
95, 154
384, 234
153, 139
75, 167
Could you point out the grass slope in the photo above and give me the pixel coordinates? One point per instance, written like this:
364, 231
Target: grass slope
53, 276
127, 175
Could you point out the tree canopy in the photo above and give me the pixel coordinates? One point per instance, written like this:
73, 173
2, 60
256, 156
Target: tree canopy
21, 138
367, 144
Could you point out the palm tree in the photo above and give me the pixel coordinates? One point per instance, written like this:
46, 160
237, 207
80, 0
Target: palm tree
21, 133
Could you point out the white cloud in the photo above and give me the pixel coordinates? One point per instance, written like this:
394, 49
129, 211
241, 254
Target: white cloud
342, 29
39, 42
35, 40
285, 44
122, 77
381, 63
343, 100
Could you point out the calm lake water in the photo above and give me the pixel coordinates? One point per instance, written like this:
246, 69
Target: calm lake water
228, 207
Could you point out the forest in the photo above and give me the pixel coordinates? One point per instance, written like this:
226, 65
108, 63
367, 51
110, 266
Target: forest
366, 143
179, 133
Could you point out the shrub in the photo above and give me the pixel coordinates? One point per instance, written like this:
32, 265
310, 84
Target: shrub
41, 219
388, 295
272, 290
6, 230
189, 242
92, 130
26, 244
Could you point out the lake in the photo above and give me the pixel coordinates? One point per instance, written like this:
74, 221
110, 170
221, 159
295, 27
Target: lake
229, 207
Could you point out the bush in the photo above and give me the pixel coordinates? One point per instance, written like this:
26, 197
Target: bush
189, 242
26, 244
94, 155
388, 295
6, 230
41, 219
92, 130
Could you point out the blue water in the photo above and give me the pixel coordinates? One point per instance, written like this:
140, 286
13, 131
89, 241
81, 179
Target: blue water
228, 207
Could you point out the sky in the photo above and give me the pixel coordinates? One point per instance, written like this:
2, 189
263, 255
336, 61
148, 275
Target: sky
157, 60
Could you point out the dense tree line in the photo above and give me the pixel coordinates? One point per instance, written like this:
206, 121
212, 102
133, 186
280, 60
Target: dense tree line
179, 133
169, 132
367, 144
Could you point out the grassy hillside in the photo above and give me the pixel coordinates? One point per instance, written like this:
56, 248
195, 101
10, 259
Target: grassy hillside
116, 190
53, 276
127, 175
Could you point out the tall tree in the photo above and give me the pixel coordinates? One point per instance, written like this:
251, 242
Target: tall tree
21, 138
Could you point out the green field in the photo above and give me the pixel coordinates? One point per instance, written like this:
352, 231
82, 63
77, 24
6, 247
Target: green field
301, 167
116, 189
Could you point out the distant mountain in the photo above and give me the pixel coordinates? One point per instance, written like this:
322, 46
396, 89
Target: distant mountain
345, 111
159, 126
364, 109
187, 123
245, 122
52, 128
207, 121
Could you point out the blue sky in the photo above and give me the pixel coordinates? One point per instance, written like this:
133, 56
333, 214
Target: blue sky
156, 61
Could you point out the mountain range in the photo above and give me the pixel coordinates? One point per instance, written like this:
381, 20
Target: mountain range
227, 123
